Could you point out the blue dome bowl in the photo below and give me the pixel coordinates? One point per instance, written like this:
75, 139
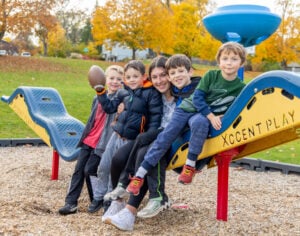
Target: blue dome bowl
244, 23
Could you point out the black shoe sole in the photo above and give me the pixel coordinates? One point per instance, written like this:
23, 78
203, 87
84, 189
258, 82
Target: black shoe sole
67, 213
95, 209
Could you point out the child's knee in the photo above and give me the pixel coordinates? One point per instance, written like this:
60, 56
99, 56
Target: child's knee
200, 122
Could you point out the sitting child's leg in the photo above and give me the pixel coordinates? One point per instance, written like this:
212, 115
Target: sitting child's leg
159, 147
199, 130
158, 199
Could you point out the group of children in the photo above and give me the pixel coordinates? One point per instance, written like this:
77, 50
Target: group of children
134, 121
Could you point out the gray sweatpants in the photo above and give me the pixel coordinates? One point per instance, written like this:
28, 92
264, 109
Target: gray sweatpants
102, 184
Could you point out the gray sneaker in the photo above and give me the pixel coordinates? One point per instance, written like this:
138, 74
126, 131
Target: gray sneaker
68, 209
114, 208
118, 192
95, 206
123, 220
153, 207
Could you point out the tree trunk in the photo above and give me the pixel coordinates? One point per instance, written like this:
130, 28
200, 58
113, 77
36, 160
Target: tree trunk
133, 53
45, 45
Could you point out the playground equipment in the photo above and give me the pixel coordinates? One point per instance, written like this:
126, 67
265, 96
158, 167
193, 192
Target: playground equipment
43, 110
264, 115
246, 24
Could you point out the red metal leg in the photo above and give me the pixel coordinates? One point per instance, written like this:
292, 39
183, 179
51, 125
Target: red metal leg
55, 165
223, 160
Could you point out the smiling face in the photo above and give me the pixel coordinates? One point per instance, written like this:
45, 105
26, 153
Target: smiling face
229, 64
134, 78
180, 76
160, 80
114, 80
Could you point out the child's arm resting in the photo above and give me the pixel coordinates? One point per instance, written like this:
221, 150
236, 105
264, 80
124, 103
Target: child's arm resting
200, 103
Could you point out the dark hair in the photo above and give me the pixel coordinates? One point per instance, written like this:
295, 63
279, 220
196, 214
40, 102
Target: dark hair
178, 60
159, 61
137, 65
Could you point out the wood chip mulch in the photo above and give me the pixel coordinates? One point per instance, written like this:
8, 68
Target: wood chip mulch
260, 203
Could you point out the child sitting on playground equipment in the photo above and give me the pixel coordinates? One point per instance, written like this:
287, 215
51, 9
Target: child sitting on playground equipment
93, 140
214, 94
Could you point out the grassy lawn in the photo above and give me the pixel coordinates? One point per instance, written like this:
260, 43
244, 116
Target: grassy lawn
68, 76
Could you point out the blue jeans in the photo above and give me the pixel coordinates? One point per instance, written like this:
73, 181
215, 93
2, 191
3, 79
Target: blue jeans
199, 126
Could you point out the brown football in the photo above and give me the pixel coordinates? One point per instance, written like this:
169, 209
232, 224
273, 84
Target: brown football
96, 76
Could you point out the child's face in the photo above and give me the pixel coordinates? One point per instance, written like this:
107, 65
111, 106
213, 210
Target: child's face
160, 80
229, 64
113, 81
180, 77
134, 79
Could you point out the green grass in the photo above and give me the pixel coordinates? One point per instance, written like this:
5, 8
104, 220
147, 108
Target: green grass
288, 153
68, 76
71, 83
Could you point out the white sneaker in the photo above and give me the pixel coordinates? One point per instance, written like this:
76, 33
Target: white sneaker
118, 192
113, 209
123, 220
153, 207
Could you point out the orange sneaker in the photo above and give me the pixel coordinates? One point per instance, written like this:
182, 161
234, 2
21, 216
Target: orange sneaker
135, 185
186, 175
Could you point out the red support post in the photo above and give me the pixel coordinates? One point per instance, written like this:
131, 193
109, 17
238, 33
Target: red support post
223, 160
55, 165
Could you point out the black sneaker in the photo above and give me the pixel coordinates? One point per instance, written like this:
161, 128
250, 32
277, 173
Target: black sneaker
68, 209
95, 206
106, 205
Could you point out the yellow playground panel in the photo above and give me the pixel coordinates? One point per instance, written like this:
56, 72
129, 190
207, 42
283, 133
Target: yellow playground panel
18, 105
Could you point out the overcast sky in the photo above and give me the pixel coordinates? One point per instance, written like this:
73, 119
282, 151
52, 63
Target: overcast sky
90, 4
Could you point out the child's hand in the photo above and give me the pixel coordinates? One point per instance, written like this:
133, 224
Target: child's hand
120, 108
215, 121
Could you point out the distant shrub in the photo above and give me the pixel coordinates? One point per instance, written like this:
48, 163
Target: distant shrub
75, 55
266, 66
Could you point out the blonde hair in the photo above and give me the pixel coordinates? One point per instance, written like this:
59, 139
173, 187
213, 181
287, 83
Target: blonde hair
118, 69
234, 47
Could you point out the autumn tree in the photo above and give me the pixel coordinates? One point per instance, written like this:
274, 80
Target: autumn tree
284, 45
35, 16
57, 42
133, 23
13, 16
190, 36
44, 25
16, 15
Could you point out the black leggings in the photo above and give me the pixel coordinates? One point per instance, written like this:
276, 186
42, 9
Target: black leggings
154, 181
125, 159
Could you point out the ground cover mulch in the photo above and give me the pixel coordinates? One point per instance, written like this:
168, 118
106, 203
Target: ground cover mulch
260, 203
